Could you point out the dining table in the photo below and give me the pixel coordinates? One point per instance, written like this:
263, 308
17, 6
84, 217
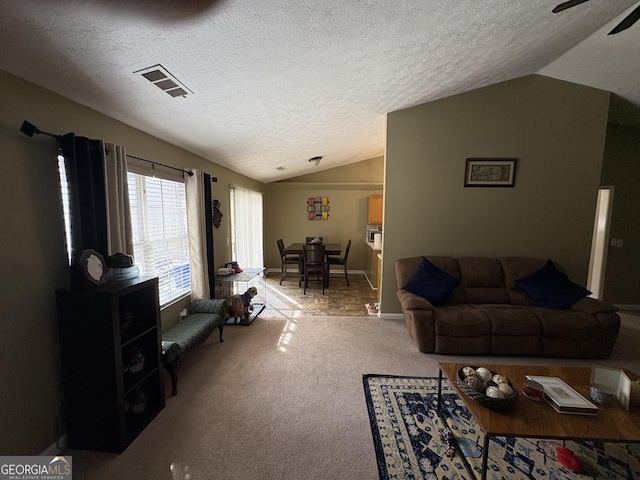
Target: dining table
329, 249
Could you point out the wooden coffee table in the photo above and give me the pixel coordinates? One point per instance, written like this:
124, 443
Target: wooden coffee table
529, 419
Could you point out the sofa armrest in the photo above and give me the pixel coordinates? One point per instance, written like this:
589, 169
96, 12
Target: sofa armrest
411, 301
213, 305
593, 306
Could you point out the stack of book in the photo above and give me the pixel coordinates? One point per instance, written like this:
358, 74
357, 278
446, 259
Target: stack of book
563, 398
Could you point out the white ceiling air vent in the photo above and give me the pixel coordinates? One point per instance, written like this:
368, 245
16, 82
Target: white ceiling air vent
160, 77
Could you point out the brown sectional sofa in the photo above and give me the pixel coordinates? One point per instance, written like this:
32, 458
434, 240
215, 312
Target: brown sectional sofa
487, 313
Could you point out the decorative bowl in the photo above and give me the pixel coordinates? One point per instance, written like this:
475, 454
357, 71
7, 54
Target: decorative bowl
483, 399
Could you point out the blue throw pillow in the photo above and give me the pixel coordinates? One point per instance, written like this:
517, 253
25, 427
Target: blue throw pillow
550, 288
432, 283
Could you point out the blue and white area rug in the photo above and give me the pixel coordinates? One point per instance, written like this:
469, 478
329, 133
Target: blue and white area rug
408, 438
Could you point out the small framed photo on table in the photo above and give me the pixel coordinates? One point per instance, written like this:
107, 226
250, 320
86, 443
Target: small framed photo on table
490, 172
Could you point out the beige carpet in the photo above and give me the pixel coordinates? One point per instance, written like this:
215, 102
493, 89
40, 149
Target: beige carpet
283, 399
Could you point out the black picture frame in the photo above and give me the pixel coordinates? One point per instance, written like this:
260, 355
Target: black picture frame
490, 172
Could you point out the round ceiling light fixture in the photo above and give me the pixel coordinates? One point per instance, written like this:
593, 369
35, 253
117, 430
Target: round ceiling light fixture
315, 160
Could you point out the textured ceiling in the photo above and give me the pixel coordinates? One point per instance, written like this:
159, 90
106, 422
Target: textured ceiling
277, 82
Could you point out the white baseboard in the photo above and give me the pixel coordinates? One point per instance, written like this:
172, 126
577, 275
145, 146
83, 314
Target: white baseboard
628, 307
400, 316
56, 447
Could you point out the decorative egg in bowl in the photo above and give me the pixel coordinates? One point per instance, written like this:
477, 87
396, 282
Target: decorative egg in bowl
487, 387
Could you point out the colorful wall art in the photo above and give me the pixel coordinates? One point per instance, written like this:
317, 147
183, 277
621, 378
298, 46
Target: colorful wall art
318, 208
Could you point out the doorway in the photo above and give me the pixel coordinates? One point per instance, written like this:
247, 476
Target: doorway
600, 241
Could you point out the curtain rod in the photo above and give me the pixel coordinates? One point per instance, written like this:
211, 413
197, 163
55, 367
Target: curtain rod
188, 172
29, 129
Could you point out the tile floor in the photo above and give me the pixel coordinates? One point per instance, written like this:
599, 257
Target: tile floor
287, 300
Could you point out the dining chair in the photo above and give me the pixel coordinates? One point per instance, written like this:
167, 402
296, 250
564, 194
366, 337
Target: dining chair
339, 261
313, 241
289, 260
314, 265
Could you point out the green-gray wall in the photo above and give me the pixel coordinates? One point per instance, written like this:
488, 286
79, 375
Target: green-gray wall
33, 255
621, 169
347, 188
555, 129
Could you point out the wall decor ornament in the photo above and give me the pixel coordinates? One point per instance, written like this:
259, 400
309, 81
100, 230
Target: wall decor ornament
93, 267
318, 208
217, 214
490, 172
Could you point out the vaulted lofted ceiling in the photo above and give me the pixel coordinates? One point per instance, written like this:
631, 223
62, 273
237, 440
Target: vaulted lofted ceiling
270, 84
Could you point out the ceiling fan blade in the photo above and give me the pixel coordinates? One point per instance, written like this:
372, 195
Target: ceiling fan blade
632, 18
569, 4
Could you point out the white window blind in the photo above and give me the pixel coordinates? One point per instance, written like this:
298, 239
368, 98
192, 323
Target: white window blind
159, 225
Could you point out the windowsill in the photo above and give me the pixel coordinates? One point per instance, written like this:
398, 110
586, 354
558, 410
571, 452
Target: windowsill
174, 301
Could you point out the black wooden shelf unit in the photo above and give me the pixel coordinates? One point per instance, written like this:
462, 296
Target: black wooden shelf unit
112, 373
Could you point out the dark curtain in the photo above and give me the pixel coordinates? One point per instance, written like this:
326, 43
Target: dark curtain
87, 196
208, 215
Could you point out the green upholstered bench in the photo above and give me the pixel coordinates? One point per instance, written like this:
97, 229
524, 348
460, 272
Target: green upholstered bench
177, 341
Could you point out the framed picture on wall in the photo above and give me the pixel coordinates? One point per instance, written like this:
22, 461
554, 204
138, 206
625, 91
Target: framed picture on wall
490, 172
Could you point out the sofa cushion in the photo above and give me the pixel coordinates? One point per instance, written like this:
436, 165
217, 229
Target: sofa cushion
593, 306
515, 268
450, 266
568, 325
432, 283
461, 321
551, 288
512, 320
461, 329
482, 280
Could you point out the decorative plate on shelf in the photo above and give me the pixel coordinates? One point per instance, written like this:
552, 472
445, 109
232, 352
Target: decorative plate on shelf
93, 267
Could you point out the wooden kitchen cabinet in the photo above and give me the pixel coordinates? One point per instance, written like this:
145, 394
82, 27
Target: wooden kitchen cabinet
374, 210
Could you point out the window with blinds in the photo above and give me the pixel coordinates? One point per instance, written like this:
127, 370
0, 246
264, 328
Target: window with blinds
159, 227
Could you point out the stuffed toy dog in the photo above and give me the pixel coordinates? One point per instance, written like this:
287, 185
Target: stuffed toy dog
240, 305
